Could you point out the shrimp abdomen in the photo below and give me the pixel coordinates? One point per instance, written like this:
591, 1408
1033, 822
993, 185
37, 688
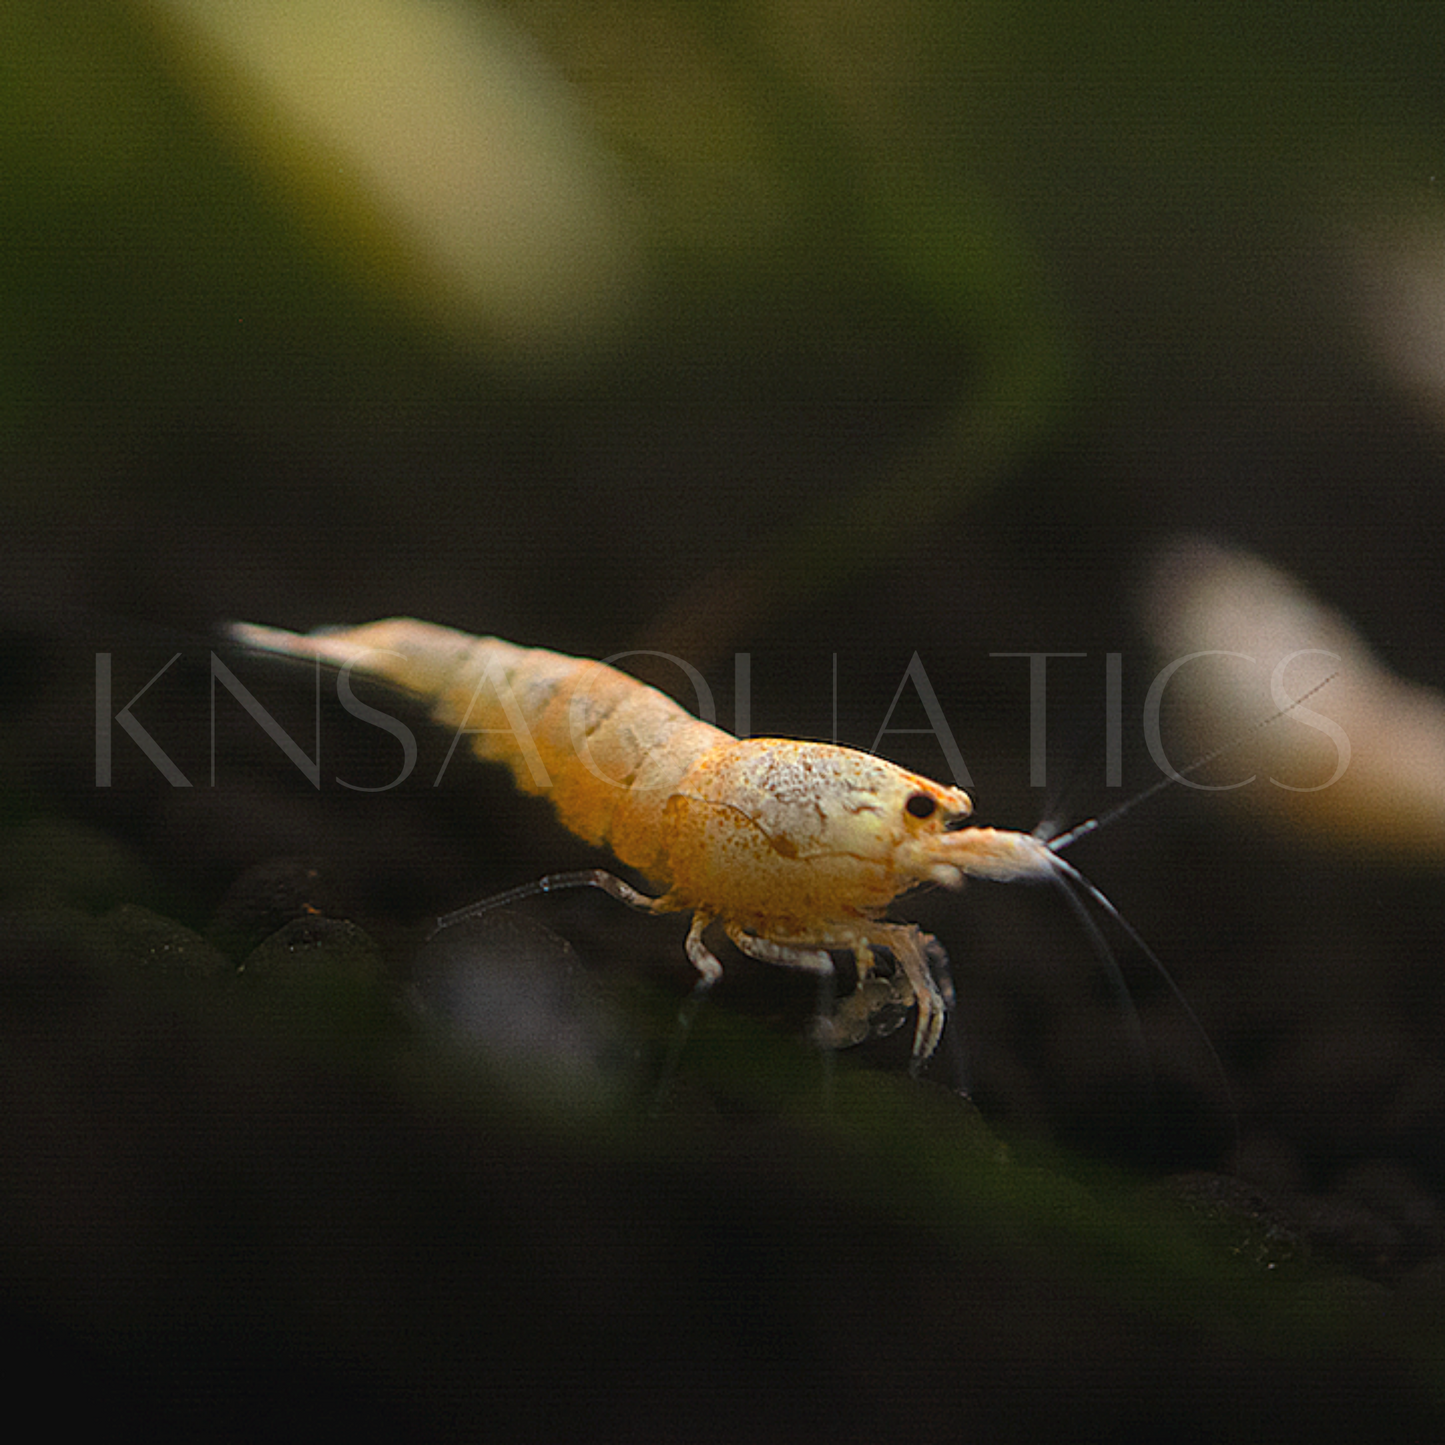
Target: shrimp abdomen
606, 749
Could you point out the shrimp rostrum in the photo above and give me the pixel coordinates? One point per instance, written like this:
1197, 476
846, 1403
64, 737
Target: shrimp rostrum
793, 848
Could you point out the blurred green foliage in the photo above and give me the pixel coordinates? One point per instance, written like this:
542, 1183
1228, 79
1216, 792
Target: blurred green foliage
982, 215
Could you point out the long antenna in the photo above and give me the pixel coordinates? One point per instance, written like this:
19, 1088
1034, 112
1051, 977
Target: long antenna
1064, 840
1068, 878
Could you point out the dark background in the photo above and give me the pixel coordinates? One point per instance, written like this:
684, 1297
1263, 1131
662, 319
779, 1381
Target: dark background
933, 325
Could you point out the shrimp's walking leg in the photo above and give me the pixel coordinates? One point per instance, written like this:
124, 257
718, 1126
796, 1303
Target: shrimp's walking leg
942, 971
915, 952
552, 883
789, 955
709, 970
815, 960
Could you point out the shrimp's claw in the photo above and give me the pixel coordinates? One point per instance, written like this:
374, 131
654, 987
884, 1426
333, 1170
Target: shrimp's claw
879, 1004
875, 1009
916, 953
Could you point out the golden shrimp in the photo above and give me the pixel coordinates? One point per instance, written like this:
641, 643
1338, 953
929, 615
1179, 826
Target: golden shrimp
793, 847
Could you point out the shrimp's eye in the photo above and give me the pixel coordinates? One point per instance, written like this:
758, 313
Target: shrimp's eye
920, 805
